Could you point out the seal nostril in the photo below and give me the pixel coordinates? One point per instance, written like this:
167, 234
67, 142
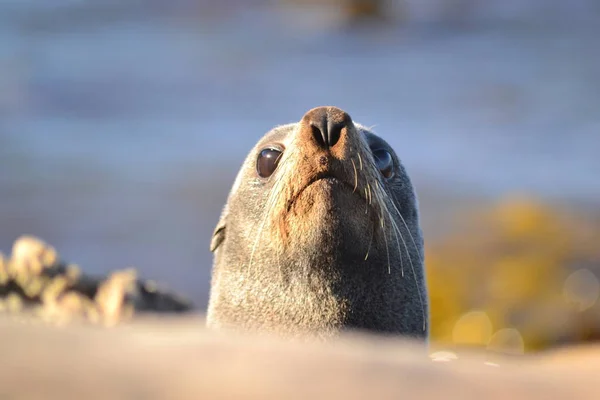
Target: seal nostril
335, 132
318, 135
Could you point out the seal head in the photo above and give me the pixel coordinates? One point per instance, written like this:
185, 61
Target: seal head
320, 234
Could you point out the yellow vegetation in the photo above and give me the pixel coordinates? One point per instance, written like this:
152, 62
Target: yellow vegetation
520, 276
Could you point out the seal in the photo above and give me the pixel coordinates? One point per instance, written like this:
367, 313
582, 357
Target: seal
320, 234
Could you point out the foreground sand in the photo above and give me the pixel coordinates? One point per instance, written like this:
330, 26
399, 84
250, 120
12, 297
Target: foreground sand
172, 356
176, 358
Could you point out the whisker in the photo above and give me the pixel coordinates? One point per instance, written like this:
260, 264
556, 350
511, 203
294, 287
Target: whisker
410, 260
406, 226
385, 212
396, 232
266, 209
271, 201
355, 176
394, 225
387, 250
370, 242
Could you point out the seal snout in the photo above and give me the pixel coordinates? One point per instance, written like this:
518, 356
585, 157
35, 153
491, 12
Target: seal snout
326, 141
326, 125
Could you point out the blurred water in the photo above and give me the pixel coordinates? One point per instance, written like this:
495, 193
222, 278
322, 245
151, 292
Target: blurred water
122, 126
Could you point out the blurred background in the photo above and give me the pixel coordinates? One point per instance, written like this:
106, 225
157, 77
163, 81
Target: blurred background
123, 124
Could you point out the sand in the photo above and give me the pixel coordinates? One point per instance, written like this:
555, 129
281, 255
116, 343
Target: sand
177, 358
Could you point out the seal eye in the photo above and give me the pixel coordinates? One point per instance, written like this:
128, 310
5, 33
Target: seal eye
267, 162
384, 162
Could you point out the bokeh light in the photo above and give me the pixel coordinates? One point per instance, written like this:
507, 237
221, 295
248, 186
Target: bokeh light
507, 341
472, 329
582, 289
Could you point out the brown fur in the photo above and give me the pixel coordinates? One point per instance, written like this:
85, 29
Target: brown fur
322, 245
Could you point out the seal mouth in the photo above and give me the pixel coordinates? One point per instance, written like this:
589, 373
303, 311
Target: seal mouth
318, 178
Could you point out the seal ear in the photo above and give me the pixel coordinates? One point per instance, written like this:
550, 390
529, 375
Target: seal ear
219, 232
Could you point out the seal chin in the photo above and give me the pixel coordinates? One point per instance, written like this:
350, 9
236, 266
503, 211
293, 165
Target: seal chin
323, 208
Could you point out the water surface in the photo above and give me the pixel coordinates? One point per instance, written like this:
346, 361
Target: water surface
122, 127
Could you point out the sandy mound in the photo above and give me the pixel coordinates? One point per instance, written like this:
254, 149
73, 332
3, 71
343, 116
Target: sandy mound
177, 358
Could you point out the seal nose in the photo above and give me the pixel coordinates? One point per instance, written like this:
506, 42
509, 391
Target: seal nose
327, 125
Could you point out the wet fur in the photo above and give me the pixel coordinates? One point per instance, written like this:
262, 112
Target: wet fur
320, 247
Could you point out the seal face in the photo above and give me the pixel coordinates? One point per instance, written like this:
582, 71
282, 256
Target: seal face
320, 234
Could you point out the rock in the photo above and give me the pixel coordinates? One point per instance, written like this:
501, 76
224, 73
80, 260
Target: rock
32, 254
113, 294
3, 270
35, 283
